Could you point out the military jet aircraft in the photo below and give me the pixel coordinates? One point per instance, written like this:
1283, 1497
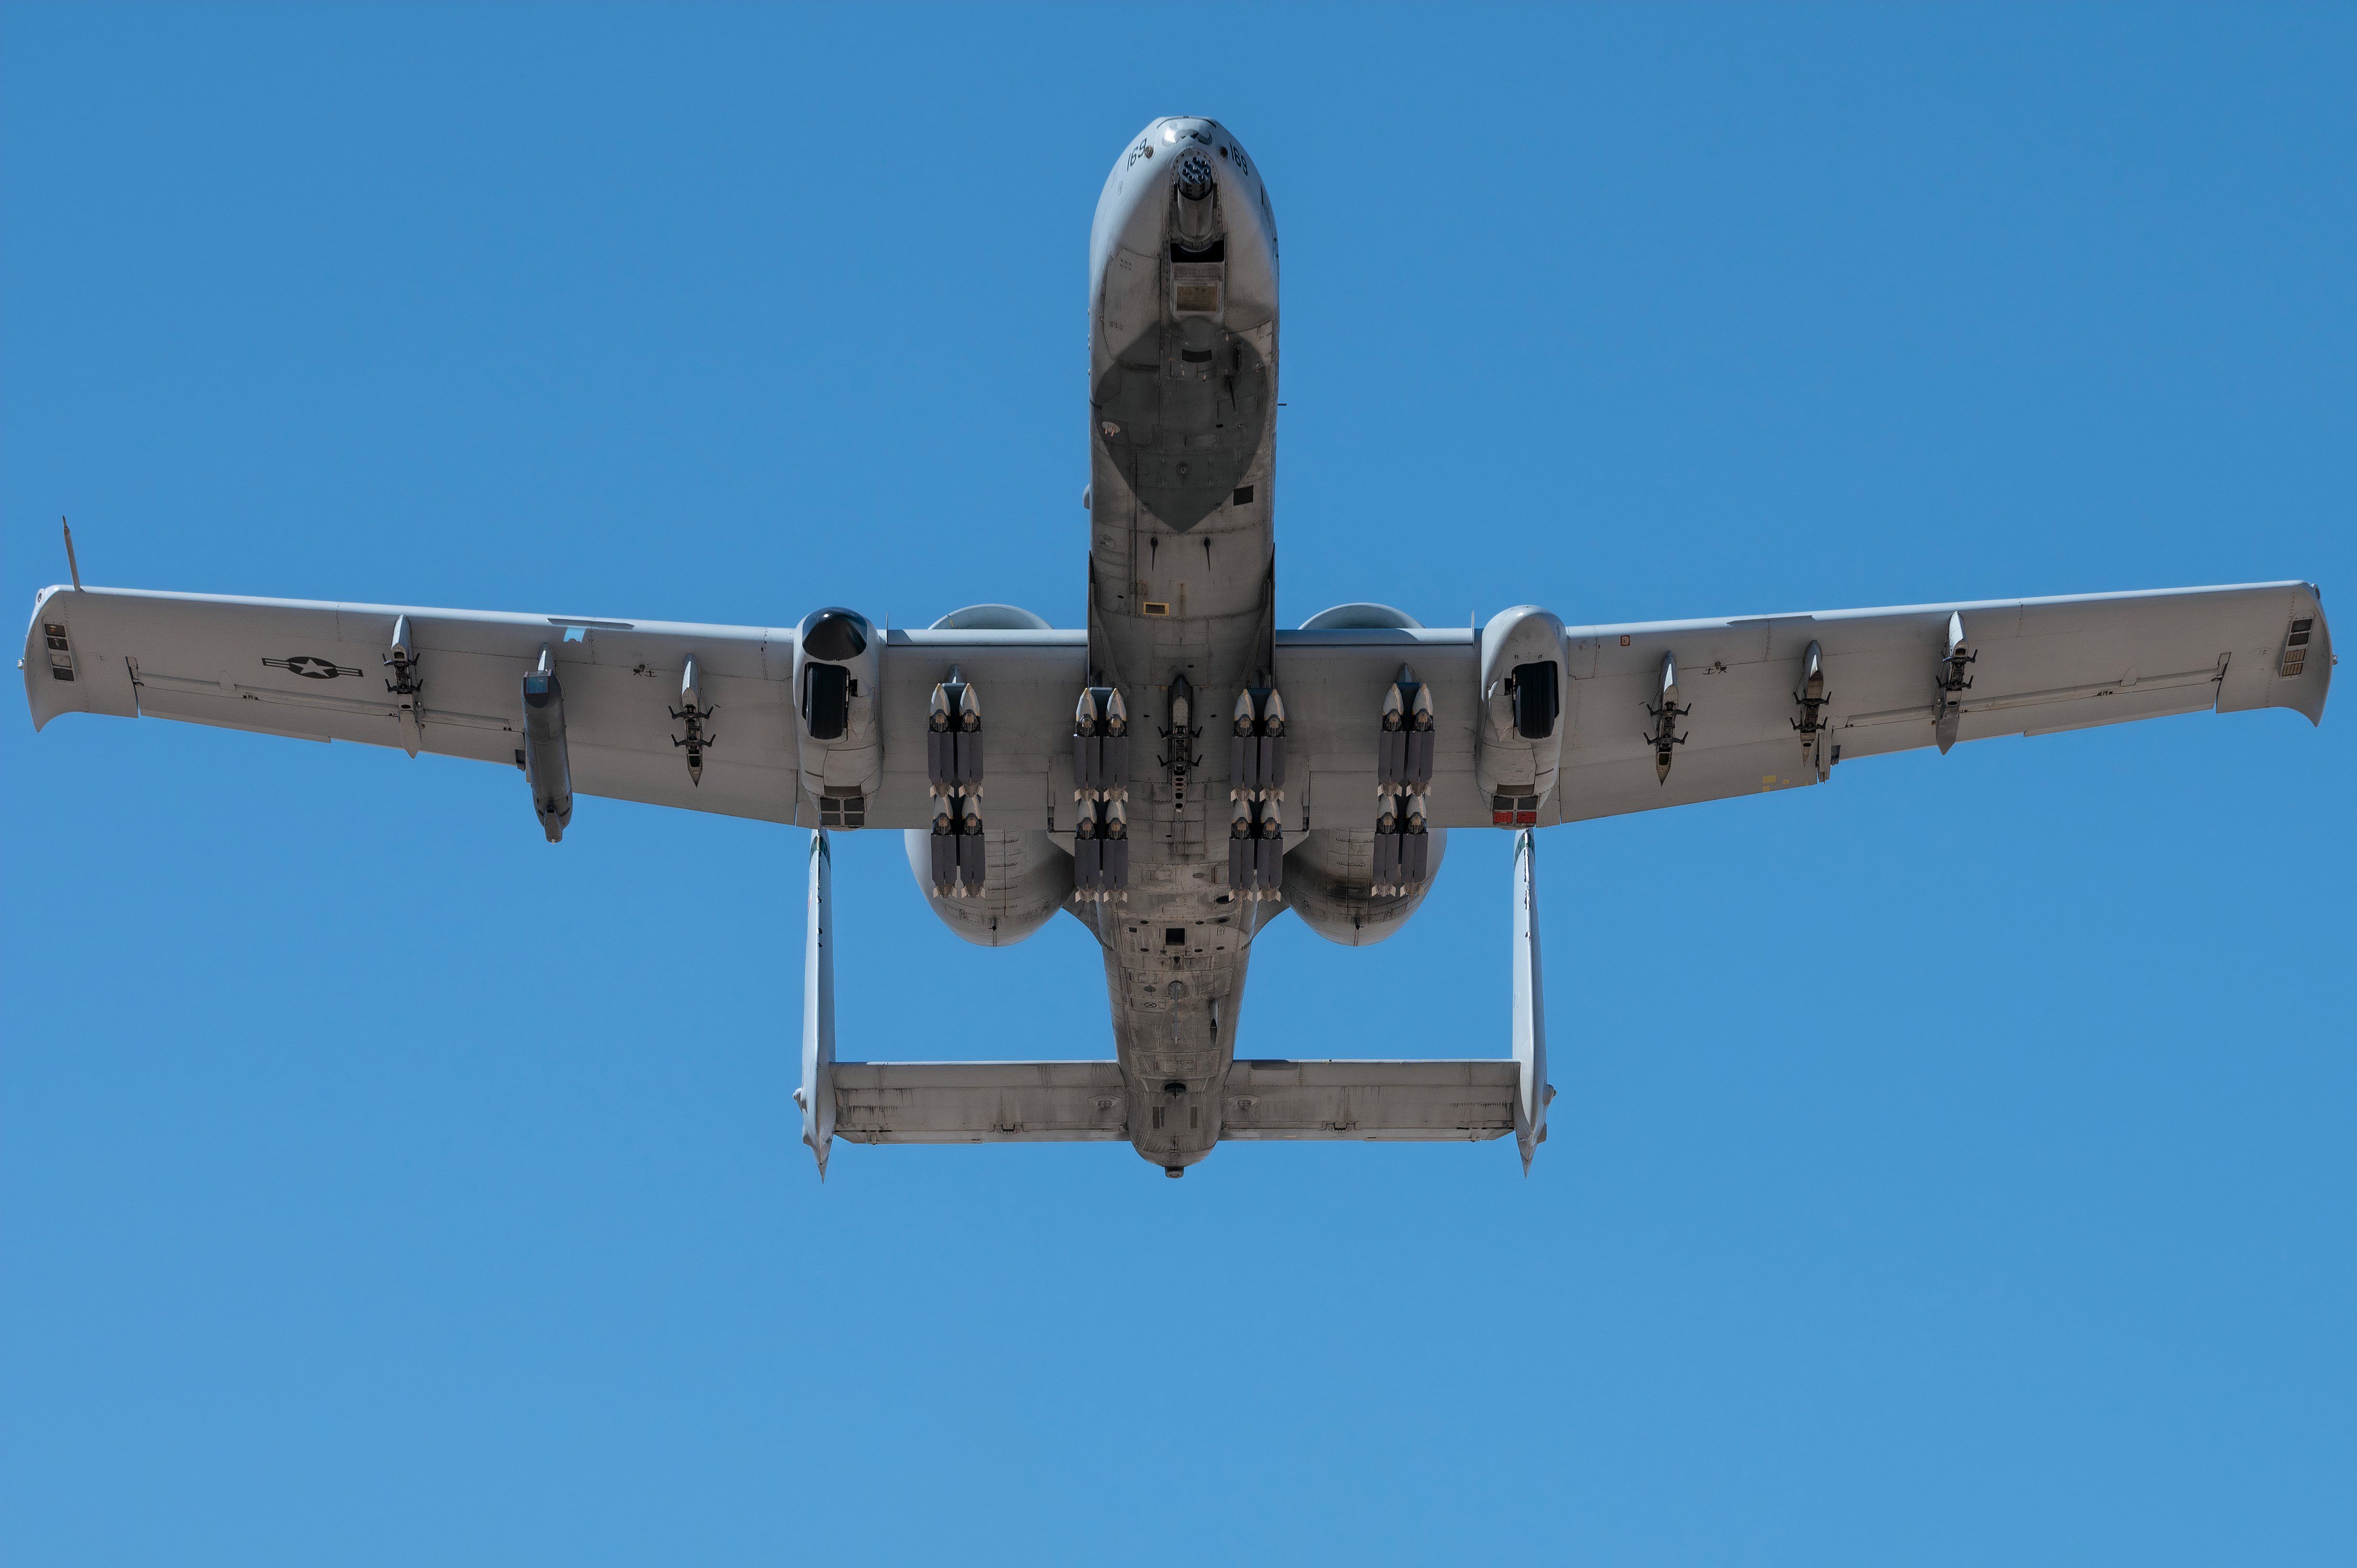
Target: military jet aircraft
1180, 771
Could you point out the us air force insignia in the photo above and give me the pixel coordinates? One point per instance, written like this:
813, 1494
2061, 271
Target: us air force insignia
310, 667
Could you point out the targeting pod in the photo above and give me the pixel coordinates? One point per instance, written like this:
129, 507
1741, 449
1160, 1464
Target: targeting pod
545, 766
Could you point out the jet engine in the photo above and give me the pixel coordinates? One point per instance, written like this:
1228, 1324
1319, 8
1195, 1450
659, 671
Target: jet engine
1330, 875
1026, 880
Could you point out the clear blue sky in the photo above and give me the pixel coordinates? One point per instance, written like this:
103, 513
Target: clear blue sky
1953, 1165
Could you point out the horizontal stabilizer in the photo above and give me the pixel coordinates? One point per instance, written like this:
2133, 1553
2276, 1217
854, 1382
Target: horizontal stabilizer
979, 1102
1370, 1102
1051, 1102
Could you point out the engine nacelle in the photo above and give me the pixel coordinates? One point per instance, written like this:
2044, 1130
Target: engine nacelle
838, 682
1027, 880
1328, 877
1519, 745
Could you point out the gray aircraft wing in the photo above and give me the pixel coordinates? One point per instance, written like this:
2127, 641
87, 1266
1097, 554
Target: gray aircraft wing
322, 671
2019, 667
319, 670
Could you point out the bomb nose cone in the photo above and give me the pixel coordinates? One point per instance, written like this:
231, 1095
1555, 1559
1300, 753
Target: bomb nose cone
1085, 713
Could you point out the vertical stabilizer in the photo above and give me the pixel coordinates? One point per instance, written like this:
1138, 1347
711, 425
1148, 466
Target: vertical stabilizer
1531, 1090
817, 1096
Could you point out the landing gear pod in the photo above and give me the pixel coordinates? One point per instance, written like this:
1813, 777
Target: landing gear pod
838, 686
545, 766
1520, 743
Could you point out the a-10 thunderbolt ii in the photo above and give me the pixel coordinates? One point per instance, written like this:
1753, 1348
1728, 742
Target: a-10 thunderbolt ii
1182, 771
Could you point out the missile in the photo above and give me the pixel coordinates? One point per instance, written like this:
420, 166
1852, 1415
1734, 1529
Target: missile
940, 768
1114, 785
1116, 851
401, 658
1088, 758
967, 740
944, 851
1088, 857
1953, 685
1666, 713
1243, 754
1240, 854
972, 864
1272, 747
1391, 743
1416, 770
1268, 852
